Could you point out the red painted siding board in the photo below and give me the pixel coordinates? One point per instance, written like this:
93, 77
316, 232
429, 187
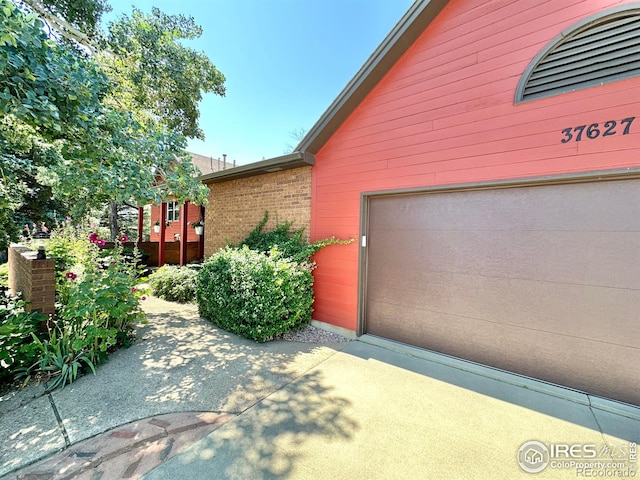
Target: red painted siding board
337, 292
614, 101
332, 207
346, 231
355, 168
419, 99
325, 212
535, 168
624, 147
499, 159
335, 280
429, 70
337, 221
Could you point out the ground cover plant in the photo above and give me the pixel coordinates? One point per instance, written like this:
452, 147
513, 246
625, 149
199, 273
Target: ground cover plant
263, 286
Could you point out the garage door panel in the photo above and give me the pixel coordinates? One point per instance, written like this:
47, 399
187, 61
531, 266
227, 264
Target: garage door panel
538, 354
530, 305
593, 258
501, 209
545, 275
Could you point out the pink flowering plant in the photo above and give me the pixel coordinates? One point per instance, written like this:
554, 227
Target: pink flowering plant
97, 304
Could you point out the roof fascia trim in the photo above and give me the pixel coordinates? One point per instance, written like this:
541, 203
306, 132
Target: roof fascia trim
284, 162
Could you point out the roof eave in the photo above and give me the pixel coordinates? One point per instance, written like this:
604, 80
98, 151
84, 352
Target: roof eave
284, 162
395, 44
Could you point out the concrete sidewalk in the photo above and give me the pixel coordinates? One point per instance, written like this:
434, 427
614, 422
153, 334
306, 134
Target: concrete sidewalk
292, 410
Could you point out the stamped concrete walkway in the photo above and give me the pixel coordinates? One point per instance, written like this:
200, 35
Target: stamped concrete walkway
190, 401
126, 452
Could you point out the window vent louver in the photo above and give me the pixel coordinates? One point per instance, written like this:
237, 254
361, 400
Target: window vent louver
598, 50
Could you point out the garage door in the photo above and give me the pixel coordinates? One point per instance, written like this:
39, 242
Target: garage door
543, 281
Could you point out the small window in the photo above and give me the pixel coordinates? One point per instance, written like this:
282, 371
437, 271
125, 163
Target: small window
601, 49
173, 212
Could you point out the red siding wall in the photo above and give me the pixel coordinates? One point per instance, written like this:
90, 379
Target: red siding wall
445, 115
174, 227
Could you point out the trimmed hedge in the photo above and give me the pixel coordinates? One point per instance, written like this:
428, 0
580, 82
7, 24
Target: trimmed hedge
254, 294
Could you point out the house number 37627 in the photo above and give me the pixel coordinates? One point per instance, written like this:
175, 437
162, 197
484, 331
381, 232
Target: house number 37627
595, 130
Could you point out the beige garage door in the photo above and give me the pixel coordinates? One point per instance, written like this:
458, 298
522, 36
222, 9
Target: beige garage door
542, 280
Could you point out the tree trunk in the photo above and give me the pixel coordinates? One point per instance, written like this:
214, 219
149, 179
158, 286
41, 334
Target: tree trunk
114, 228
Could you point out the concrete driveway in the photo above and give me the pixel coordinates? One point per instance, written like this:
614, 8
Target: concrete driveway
361, 410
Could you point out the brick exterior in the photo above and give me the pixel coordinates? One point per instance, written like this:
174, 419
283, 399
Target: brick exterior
236, 206
35, 279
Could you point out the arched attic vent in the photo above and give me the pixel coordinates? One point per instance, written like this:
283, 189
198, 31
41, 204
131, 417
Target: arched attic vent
601, 49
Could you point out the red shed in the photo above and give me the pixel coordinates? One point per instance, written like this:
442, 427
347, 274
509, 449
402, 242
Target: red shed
487, 159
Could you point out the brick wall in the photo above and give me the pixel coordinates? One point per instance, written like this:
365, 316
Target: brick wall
236, 206
36, 279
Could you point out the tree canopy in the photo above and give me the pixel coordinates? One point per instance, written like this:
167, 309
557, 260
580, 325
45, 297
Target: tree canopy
147, 62
105, 123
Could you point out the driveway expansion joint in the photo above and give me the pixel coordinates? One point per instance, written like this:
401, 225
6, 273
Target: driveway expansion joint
63, 430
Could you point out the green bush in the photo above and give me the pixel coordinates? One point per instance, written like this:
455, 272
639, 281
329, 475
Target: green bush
175, 284
4, 275
17, 350
254, 294
291, 243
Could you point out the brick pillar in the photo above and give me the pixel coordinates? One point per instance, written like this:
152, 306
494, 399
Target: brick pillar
35, 279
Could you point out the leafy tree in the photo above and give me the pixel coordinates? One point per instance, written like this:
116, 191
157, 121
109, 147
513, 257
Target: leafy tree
97, 126
74, 19
75, 22
45, 84
157, 76
160, 81
39, 115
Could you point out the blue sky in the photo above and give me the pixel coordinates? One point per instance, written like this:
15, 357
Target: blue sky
285, 61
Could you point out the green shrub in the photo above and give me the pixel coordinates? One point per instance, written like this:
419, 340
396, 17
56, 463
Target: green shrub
17, 350
4, 275
175, 284
254, 294
263, 287
291, 243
